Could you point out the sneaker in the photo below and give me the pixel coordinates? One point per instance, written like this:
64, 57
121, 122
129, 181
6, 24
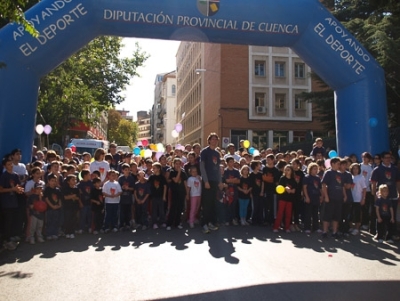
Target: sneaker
15, 238
320, 231
308, 232
191, 225
168, 228
101, 231
95, 232
137, 226
144, 227
227, 224
275, 230
163, 225
79, 232
212, 227
10, 245
365, 227
355, 232
49, 237
324, 235
235, 222
292, 228
180, 227
390, 241
40, 239
297, 228
72, 236
115, 230
380, 241
107, 231
243, 223
335, 235
32, 240
90, 231
205, 229
155, 226
288, 231
68, 236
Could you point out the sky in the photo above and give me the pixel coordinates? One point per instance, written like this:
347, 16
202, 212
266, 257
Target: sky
140, 93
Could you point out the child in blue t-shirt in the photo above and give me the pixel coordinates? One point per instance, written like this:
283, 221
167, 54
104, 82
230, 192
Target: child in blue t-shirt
312, 190
142, 193
385, 215
37, 208
127, 182
85, 216
244, 193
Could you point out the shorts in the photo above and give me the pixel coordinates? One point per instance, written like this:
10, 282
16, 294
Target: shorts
332, 211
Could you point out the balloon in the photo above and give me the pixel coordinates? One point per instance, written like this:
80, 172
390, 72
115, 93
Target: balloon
39, 129
246, 143
142, 153
280, 189
153, 147
158, 155
160, 147
145, 142
251, 150
174, 134
256, 153
327, 163
136, 151
332, 154
73, 148
91, 160
373, 122
148, 153
70, 145
40, 206
178, 127
47, 129
139, 143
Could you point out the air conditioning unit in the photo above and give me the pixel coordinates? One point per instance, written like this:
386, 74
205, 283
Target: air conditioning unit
261, 110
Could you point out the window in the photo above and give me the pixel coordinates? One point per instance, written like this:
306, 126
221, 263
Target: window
279, 69
236, 136
280, 138
259, 100
280, 101
260, 140
299, 102
259, 68
299, 70
173, 90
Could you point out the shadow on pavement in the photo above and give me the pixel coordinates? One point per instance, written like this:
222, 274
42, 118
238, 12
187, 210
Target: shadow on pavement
221, 243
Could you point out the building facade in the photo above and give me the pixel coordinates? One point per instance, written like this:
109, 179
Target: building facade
244, 92
163, 113
144, 125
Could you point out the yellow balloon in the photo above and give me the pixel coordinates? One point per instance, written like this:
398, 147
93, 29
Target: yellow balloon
142, 153
280, 189
91, 160
246, 143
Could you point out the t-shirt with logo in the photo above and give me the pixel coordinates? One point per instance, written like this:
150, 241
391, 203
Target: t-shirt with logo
142, 189
287, 182
85, 188
195, 186
97, 195
9, 200
211, 159
126, 182
256, 182
102, 166
333, 180
347, 178
313, 186
384, 206
388, 175
157, 184
298, 177
245, 184
270, 177
53, 195
180, 186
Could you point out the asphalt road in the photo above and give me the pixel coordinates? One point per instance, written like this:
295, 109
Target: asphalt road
233, 263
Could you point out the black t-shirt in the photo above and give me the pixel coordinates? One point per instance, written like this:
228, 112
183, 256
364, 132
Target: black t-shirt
256, 182
84, 189
270, 177
298, 177
291, 183
9, 200
175, 187
211, 159
157, 184
31, 201
67, 191
333, 181
384, 206
129, 182
142, 189
313, 186
97, 195
347, 178
53, 195
245, 183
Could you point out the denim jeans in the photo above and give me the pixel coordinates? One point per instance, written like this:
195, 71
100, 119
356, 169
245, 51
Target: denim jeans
52, 221
85, 218
111, 216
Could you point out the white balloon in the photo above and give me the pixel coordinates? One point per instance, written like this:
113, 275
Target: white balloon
256, 153
174, 134
39, 129
147, 153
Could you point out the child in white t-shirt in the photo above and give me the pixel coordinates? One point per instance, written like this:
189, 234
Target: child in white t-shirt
193, 187
111, 192
358, 191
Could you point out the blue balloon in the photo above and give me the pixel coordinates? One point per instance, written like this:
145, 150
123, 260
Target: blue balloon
136, 150
373, 122
70, 145
332, 154
251, 150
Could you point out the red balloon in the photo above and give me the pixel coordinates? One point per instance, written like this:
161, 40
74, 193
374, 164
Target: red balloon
40, 206
145, 142
73, 148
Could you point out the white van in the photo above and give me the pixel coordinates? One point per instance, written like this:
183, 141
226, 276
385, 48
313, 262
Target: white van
125, 149
89, 145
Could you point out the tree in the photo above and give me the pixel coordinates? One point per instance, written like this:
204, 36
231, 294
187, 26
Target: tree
376, 25
13, 11
88, 83
113, 121
121, 131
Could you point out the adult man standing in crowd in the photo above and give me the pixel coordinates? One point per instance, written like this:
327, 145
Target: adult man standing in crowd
209, 166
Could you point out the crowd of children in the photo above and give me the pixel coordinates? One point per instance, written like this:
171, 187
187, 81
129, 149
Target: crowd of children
54, 197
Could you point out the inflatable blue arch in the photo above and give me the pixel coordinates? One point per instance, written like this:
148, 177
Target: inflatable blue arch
304, 25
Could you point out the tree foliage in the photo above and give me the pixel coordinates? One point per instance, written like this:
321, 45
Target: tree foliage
87, 84
121, 131
13, 11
